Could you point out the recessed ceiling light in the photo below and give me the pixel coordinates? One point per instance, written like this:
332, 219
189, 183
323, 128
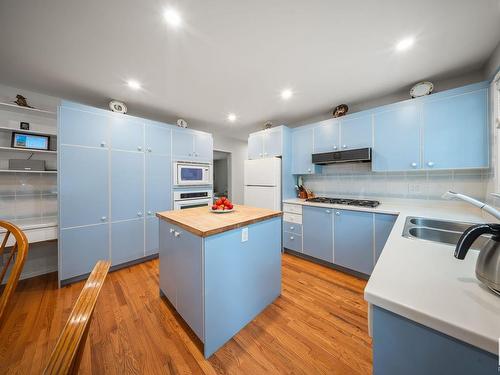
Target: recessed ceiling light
405, 44
286, 94
133, 84
172, 17
231, 117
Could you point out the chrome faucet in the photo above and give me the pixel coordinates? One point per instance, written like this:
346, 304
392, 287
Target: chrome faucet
483, 206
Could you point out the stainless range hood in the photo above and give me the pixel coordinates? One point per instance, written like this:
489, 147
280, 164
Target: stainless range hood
357, 155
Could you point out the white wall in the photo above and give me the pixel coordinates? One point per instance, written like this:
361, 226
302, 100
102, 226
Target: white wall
238, 150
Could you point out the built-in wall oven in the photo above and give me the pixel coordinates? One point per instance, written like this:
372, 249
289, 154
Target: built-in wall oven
190, 199
188, 174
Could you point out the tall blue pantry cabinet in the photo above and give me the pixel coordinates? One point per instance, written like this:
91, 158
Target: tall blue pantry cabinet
114, 175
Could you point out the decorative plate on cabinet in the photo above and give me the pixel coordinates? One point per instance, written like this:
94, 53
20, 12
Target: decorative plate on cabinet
421, 89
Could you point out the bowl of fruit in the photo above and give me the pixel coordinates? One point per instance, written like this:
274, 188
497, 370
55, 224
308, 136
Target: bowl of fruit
222, 206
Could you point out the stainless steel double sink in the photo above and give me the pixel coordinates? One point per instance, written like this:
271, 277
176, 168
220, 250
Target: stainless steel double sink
442, 231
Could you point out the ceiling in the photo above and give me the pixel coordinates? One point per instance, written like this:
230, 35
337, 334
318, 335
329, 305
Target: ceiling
236, 56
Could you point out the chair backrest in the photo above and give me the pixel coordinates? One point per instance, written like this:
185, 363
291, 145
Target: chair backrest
18, 251
67, 354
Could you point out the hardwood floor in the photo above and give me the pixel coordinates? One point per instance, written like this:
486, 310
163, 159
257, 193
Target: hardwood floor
317, 325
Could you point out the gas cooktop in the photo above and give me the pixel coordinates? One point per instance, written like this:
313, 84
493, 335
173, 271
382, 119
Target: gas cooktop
346, 201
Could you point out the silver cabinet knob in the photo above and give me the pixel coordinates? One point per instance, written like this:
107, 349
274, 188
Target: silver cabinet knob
344, 146
176, 234
337, 213
334, 147
139, 148
309, 169
150, 213
291, 238
103, 218
328, 211
139, 213
103, 144
291, 228
149, 149
260, 154
172, 230
414, 165
430, 164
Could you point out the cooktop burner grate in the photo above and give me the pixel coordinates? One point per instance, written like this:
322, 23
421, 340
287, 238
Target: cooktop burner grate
346, 201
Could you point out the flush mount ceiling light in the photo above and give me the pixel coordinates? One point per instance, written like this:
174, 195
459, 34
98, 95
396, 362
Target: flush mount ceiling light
133, 84
231, 117
405, 44
286, 94
172, 17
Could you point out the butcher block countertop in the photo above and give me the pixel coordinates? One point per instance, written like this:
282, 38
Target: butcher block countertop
201, 222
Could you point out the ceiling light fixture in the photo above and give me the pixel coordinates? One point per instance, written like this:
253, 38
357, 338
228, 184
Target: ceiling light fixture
286, 94
405, 44
133, 84
231, 117
172, 17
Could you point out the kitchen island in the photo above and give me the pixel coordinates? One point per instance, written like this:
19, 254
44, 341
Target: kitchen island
220, 270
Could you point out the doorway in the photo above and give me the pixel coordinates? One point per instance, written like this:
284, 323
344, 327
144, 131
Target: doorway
222, 174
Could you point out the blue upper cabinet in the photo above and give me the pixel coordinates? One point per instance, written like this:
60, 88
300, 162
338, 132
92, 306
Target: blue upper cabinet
455, 131
203, 147
127, 133
158, 138
302, 150
81, 127
356, 132
317, 230
397, 139
192, 145
266, 143
354, 240
326, 136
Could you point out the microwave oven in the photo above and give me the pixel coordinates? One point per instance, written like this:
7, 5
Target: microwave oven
187, 174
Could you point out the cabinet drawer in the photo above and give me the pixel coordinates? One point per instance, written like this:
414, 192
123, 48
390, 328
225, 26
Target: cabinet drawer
292, 227
292, 241
292, 208
292, 218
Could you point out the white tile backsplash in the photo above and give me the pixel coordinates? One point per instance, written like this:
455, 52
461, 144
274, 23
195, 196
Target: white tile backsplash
356, 180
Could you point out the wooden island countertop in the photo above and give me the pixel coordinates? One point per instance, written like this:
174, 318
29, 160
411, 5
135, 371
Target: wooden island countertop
201, 222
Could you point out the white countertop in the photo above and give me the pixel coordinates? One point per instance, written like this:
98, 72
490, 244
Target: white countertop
423, 281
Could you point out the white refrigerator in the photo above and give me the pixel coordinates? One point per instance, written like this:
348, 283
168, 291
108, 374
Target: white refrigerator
263, 183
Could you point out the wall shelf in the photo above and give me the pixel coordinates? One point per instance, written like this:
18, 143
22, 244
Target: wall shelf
28, 150
36, 132
19, 171
17, 108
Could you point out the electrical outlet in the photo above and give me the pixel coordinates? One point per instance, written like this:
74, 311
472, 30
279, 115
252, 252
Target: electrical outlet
244, 234
414, 189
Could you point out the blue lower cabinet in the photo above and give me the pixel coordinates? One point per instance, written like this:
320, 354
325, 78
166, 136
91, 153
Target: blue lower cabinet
81, 248
127, 241
317, 226
292, 227
383, 227
292, 241
152, 236
127, 185
354, 240
167, 256
83, 186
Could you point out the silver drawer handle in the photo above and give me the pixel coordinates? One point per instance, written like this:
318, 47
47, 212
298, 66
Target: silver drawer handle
177, 234
103, 218
414, 165
139, 148
103, 144
291, 228
149, 150
328, 211
337, 213
430, 164
139, 213
291, 238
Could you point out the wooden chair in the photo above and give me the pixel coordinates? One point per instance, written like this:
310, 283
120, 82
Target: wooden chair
20, 251
67, 354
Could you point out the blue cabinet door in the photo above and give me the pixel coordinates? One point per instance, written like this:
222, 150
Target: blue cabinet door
354, 240
182, 145
317, 227
81, 248
455, 131
356, 132
397, 139
127, 185
302, 149
158, 183
152, 236
255, 146
127, 133
83, 128
272, 142
158, 138
167, 257
127, 241
203, 147
83, 186
383, 227
326, 136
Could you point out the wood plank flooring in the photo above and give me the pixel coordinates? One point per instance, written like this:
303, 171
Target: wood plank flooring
318, 325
